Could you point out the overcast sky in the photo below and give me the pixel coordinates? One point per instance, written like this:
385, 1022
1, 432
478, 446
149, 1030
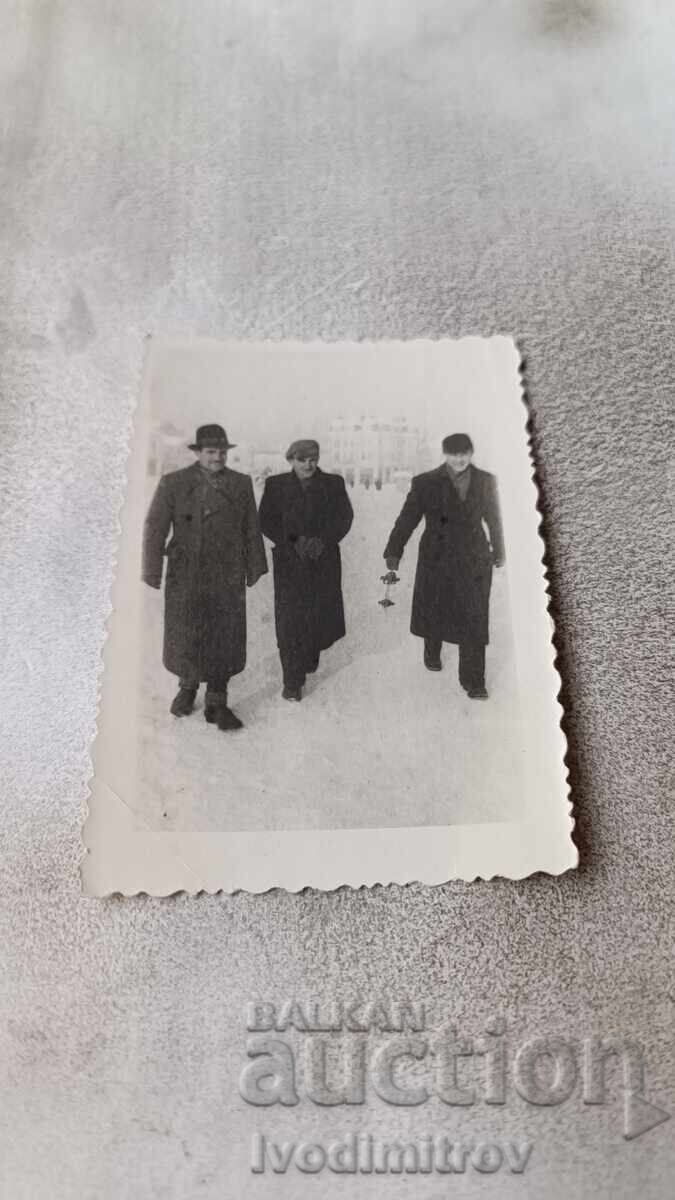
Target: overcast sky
270, 394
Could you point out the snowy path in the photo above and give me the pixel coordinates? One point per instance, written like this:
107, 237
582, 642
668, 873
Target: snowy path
375, 733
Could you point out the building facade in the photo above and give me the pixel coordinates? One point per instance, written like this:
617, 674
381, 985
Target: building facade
370, 450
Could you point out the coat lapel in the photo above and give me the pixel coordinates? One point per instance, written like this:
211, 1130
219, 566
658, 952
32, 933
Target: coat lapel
189, 499
220, 495
296, 503
472, 495
450, 503
296, 509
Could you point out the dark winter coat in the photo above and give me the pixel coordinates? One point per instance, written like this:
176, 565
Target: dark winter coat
215, 550
454, 564
307, 593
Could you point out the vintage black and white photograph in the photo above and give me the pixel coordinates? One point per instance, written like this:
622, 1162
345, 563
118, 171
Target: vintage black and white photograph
329, 623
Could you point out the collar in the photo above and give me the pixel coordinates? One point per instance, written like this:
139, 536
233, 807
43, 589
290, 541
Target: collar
444, 471
218, 487
215, 478
313, 478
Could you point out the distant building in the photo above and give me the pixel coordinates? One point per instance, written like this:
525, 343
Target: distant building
241, 458
372, 450
267, 462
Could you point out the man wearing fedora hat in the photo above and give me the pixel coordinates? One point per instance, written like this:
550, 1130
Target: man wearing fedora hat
203, 518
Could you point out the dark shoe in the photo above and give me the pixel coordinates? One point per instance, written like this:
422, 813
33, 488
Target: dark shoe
184, 702
226, 719
292, 693
211, 713
432, 662
477, 693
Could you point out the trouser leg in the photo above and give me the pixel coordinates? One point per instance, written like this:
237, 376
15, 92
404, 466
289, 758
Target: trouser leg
471, 665
432, 654
313, 657
216, 710
293, 665
433, 647
216, 690
189, 683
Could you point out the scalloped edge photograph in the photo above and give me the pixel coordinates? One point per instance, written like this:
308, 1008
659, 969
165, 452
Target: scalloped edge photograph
339, 749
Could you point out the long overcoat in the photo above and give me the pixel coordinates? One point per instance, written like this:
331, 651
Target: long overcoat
214, 550
308, 601
454, 565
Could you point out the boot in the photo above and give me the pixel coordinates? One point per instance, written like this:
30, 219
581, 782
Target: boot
184, 702
214, 700
227, 720
472, 670
290, 693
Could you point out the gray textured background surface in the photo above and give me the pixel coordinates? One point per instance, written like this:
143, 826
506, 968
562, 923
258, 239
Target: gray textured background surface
331, 169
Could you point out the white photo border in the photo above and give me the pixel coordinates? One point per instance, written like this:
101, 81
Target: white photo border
121, 858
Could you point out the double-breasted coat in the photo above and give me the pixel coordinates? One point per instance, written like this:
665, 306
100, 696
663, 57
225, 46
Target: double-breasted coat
215, 549
308, 601
454, 565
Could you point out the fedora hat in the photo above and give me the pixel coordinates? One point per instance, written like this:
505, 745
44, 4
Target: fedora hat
212, 436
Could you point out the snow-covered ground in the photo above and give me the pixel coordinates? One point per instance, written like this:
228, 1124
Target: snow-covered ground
376, 741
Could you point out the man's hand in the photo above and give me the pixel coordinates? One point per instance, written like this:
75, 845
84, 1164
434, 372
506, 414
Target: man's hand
314, 547
497, 561
392, 563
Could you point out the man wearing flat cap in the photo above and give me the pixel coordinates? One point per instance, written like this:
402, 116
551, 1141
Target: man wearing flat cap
207, 514
451, 598
306, 513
